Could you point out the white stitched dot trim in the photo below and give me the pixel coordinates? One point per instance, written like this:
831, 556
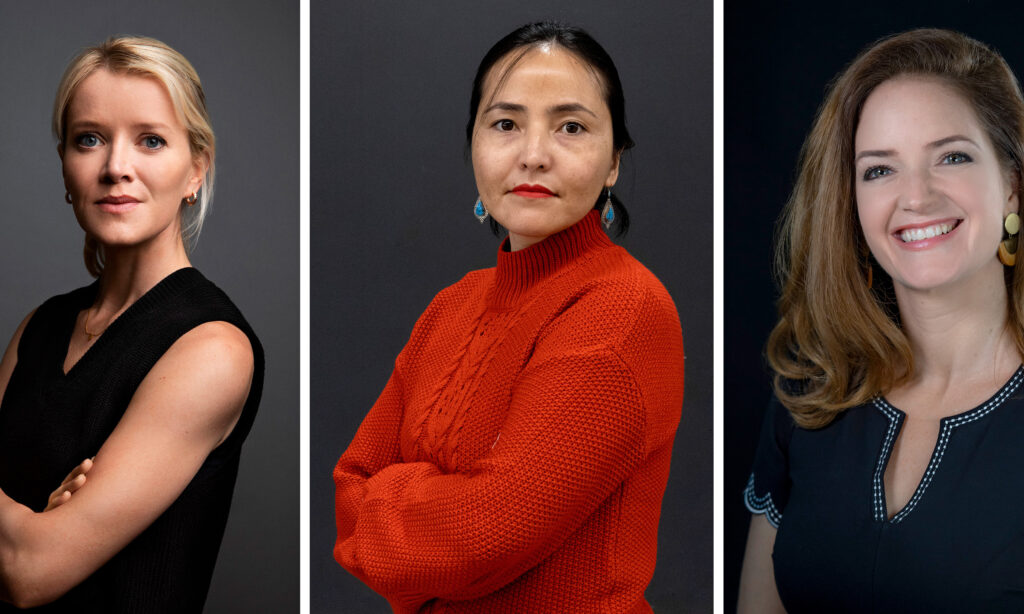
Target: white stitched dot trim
945, 431
761, 505
878, 487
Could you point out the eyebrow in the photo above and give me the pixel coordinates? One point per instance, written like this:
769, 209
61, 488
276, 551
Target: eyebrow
558, 109
952, 139
142, 127
882, 153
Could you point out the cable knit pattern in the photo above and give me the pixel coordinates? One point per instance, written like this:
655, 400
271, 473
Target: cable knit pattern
516, 460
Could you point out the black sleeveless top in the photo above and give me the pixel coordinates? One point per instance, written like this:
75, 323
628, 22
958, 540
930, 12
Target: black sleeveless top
50, 422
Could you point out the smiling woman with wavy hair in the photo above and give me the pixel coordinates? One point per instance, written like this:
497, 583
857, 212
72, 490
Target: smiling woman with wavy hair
898, 348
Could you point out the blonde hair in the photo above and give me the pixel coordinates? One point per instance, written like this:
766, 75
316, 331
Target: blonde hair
838, 342
147, 57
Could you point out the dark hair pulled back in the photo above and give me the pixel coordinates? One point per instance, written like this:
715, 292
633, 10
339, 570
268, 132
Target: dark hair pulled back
583, 46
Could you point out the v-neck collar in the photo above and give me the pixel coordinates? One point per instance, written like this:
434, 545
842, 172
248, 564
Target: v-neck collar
167, 286
896, 418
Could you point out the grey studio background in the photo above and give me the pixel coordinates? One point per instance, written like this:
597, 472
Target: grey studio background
247, 55
391, 225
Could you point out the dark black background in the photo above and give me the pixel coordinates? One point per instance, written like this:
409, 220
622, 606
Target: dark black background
391, 225
779, 58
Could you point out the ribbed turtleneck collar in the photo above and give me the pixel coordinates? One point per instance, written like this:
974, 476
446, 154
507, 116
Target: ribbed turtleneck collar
520, 270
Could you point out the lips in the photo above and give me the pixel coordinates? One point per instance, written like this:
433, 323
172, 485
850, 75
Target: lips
532, 191
920, 236
117, 204
117, 200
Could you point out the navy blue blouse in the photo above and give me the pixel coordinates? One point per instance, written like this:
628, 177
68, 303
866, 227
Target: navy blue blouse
958, 544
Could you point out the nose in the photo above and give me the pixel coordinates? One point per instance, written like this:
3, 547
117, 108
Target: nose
536, 153
118, 165
918, 193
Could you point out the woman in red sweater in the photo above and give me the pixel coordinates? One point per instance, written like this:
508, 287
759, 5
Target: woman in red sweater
516, 460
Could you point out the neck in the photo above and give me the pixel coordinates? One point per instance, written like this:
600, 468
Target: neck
129, 272
517, 242
960, 332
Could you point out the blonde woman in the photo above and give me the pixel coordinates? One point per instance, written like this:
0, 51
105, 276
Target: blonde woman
150, 373
886, 477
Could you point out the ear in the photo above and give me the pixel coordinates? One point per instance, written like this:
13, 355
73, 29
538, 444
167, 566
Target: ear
1013, 200
200, 164
60, 151
613, 172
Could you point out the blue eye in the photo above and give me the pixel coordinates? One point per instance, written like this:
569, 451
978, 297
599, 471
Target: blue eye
876, 172
153, 142
87, 140
573, 128
956, 157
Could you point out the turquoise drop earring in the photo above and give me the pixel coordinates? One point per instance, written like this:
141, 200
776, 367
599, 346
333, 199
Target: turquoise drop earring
480, 211
608, 211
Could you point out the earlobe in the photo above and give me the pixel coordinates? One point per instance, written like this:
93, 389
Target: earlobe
613, 173
1013, 202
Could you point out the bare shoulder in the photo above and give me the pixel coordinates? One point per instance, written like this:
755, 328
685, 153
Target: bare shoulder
221, 344
203, 379
214, 353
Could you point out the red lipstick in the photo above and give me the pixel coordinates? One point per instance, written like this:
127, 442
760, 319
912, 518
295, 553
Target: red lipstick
532, 191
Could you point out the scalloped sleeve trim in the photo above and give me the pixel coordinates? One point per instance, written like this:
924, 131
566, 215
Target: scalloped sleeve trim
761, 504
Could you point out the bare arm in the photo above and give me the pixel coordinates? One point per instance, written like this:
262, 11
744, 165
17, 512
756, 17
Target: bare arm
757, 581
183, 409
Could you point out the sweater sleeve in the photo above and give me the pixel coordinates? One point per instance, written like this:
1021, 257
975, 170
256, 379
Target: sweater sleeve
374, 447
575, 430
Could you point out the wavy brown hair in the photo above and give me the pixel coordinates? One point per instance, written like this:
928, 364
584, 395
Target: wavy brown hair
838, 341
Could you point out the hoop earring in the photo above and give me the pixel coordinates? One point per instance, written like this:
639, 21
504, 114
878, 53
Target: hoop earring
1008, 247
191, 200
608, 211
480, 211
67, 197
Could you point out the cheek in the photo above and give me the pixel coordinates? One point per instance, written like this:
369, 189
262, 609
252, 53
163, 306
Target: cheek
489, 168
595, 166
873, 220
72, 170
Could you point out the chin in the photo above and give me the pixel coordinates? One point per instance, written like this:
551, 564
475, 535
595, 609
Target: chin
536, 224
125, 236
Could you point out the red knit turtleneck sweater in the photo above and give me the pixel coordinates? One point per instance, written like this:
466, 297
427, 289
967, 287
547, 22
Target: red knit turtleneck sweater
516, 460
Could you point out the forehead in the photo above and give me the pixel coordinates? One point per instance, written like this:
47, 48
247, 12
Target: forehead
546, 67
916, 107
111, 96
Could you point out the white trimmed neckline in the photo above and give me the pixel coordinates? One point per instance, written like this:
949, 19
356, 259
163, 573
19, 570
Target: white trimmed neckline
946, 426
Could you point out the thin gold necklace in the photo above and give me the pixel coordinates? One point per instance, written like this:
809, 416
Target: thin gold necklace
85, 327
